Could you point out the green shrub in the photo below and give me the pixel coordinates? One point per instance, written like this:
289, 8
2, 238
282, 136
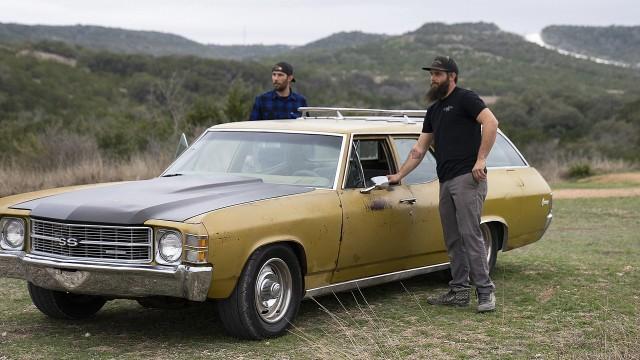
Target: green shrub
577, 171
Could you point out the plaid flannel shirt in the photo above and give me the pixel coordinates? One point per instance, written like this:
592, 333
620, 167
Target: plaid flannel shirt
269, 106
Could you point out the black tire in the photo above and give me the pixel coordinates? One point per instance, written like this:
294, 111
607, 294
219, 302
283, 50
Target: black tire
491, 243
62, 305
247, 316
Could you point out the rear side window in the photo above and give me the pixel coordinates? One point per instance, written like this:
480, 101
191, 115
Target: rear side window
425, 172
503, 154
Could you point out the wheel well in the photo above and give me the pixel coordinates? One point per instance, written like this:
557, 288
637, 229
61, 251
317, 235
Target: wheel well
300, 254
500, 232
298, 250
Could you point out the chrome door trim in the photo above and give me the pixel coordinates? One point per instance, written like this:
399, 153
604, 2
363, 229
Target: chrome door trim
409, 201
374, 280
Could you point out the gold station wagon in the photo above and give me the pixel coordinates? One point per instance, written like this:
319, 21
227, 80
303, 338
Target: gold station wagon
259, 215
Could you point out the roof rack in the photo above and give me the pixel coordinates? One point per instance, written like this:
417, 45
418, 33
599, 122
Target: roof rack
407, 116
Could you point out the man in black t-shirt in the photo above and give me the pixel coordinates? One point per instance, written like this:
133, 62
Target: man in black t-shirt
463, 130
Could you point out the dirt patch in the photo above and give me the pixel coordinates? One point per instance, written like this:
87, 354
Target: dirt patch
632, 177
595, 193
547, 295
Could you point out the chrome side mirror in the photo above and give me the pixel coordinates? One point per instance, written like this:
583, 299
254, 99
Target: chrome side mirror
182, 145
379, 183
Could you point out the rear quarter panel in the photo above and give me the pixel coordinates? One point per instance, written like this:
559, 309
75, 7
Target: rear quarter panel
516, 195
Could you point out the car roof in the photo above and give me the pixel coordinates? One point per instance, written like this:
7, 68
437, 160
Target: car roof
327, 125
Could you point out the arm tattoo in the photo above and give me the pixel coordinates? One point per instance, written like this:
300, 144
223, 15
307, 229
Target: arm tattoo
416, 154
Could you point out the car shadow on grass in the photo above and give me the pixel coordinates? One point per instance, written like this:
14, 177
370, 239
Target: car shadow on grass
126, 321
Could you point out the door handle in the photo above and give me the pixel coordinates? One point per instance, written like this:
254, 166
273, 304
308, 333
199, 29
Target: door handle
409, 201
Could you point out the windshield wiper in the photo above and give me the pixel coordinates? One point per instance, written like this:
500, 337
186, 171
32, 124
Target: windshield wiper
172, 175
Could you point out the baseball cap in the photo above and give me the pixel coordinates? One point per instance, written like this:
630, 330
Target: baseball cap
284, 67
443, 63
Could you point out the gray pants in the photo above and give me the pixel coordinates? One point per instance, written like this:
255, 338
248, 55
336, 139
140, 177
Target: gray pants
461, 200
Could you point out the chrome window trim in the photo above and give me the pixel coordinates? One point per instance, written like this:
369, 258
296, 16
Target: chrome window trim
526, 163
344, 177
386, 133
92, 260
340, 160
374, 280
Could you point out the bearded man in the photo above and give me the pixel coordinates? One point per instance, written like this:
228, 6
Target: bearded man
281, 102
463, 130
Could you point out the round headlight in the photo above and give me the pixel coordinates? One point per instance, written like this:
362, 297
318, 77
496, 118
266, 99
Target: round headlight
12, 236
170, 246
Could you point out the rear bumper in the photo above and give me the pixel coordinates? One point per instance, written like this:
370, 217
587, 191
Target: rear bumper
113, 280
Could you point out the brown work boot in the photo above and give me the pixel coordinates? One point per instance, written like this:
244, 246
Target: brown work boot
451, 298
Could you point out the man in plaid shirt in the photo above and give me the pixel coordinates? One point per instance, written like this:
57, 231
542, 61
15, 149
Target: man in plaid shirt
281, 102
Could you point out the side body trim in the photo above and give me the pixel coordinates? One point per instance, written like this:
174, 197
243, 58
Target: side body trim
374, 280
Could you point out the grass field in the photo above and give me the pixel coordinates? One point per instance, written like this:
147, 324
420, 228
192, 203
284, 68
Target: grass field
573, 295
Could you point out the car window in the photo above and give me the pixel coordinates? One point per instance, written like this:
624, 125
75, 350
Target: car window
504, 154
280, 158
369, 158
425, 172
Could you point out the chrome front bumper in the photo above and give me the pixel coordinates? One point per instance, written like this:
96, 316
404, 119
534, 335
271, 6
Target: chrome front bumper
113, 280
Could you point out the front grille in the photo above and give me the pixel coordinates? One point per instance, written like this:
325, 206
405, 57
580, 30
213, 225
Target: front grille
127, 244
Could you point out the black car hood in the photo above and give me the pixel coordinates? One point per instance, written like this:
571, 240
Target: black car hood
175, 198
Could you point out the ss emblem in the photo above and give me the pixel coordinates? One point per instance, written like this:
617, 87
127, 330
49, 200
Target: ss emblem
68, 242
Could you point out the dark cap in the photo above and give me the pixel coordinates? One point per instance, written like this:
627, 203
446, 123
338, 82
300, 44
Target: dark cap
443, 63
284, 67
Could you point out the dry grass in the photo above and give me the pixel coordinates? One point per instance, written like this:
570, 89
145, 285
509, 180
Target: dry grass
595, 193
572, 295
90, 168
627, 177
556, 167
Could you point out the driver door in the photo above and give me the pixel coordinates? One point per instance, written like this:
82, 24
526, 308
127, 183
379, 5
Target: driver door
376, 225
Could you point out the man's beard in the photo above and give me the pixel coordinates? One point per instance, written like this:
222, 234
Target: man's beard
437, 92
280, 86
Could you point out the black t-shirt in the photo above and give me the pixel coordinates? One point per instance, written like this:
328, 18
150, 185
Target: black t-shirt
457, 135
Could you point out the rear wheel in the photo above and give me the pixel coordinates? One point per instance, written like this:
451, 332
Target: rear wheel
491, 244
267, 296
62, 305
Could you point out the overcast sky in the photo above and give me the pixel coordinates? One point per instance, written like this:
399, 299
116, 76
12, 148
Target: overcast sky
299, 22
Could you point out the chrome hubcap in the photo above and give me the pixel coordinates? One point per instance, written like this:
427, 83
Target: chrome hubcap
273, 290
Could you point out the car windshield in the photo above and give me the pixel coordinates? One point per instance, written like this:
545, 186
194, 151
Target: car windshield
277, 158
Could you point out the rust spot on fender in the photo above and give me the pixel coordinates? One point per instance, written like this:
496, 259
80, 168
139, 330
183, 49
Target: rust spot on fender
379, 204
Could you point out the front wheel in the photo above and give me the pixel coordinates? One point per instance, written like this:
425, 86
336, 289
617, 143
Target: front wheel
267, 296
62, 305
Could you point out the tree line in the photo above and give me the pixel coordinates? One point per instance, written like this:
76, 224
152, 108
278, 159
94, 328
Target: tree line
127, 104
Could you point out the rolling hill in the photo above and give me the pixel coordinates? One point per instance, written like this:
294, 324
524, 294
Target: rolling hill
129, 102
616, 43
163, 44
